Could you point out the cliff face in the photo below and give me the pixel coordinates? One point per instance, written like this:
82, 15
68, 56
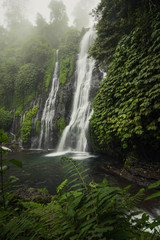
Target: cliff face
126, 119
63, 109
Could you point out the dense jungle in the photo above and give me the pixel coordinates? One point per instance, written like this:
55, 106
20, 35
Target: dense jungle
89, 88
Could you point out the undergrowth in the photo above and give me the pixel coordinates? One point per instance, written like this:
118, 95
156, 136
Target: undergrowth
81, 210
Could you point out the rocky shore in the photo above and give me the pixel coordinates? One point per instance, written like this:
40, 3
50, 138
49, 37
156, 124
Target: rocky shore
143, 175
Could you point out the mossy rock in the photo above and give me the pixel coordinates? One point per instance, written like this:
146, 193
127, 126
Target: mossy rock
34, 195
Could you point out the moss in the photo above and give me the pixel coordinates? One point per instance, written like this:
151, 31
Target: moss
62, 125
27, 124
5, 119
38, 127
34, 111
18, 113
72, 66
67, 67
49, 71
55, 125
67, 52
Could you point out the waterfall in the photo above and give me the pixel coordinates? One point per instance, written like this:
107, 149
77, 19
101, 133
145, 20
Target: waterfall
74, 135
49, 110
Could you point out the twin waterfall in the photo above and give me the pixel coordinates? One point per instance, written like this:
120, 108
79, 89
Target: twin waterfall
74, 135
49, 109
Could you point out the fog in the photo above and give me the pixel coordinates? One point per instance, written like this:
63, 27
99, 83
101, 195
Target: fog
77, 10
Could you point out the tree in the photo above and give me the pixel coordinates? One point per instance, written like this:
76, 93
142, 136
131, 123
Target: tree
36, 52
9, 69
5, 119
81, 14
3, 37
26, 81
19, 27
42, 28
59, 21
58, 11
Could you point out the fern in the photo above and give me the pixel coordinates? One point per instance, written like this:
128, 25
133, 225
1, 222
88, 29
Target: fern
93, 211
19, 228
82, 209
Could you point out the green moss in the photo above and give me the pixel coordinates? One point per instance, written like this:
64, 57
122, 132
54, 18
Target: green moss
72, 66
38, 127
27, 124
18, 114
55, 125
5, 119
49, 71
62, 125
67, 53
34, 111
29, 98
67, 67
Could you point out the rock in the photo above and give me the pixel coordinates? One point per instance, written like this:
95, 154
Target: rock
141, 176
32, 194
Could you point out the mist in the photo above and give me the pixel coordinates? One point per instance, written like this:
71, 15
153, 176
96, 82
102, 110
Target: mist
77, 10
82, 13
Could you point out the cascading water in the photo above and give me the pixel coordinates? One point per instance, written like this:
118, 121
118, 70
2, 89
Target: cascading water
49, 110
74, 135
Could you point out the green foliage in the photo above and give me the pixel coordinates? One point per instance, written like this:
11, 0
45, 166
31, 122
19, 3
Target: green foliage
59, 20
8, 72
19, 228
37, 52
34, 111
5, 119
67, 53
62, 125
64, 66
82, 209
27, 124
26, 81
49, 70
18, 113
126, 108
116, 19
38, 127
6, 196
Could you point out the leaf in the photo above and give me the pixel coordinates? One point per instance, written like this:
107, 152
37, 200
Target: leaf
62, 185
154, 185
3, 137
4, 168
154, 195
13, 179
85, 229
16, 163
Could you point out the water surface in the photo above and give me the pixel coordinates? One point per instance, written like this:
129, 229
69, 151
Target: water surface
46, 170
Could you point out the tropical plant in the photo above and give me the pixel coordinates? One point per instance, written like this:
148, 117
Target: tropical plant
5, 196
27, 124
5, 119
82, 209
126, 108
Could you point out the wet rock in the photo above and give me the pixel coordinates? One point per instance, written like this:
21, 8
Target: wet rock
32, 194
141, 176
96, 79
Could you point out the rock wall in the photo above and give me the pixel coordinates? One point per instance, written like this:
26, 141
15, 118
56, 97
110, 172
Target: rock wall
63, 110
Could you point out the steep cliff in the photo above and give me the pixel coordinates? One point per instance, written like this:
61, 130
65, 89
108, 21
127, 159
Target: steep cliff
126, 109
30, 127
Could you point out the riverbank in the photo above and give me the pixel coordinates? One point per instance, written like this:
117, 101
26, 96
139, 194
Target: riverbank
143, 175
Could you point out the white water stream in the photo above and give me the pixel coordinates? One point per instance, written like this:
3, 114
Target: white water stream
49, 110
74, 135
